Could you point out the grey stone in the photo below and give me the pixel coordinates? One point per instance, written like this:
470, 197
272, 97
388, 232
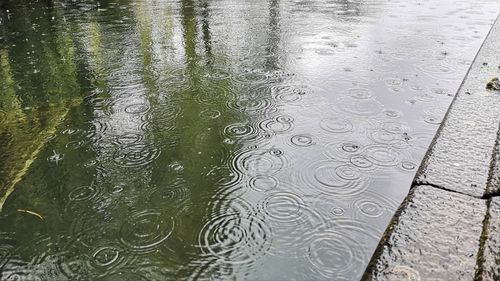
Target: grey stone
491, 264
460, 157
436, 237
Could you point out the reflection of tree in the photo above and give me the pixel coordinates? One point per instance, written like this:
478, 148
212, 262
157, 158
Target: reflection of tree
194, 142
188, 140
9, 101
207, 38
273, 40
39, 85
96, 60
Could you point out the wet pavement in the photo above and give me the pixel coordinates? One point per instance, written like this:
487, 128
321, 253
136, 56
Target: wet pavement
448, 230
152, 140
436, 237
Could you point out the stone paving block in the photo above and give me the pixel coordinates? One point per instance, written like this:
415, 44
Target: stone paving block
436, 237
491, 264
460, 157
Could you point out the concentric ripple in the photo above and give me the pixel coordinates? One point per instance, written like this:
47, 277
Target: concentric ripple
392, 113
381, 155
341, 252
210, 113
83, 193
335, 255
334, 178
263, 183
438, 71
138, 108
343, 150
240, 131
213, 93
291, 218
408, 165
128, 139
279, 124
432, 119
218, 74
108, 257
385, 137
360, 93
136, 155
251, 104
253, 76
362, 163
176, 192
395, 127
164, 115
336, 125
259, 162
284, 207
146, 230
347, 172
374, 205
302, 140
235, 240
289, 93
176, 78
362, 107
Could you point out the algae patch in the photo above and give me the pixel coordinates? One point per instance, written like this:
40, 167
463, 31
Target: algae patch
494, 84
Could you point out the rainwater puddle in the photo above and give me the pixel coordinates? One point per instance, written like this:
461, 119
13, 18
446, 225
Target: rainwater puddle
217, 140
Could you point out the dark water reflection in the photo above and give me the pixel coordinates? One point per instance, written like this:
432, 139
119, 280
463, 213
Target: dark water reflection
259, 140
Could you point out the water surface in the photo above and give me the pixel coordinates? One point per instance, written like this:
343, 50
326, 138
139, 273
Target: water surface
249, 140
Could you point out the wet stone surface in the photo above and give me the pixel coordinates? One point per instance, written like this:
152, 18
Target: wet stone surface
470, 130
436, 238
490, 267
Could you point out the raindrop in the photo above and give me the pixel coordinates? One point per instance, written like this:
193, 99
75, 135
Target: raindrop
235, 240
83, 193
381, 155
146, 230
107, 257
360, 93
137, 108
263, 183
136, 155
336, 125
409, 166
210, 113
334, 178
259, 162
240, 131
55, 157
279, 124
302, 140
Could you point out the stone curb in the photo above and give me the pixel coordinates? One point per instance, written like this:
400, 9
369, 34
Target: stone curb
460, 157
427, 240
